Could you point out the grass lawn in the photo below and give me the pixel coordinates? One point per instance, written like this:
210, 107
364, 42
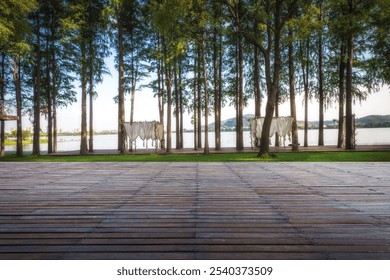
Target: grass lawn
383, 156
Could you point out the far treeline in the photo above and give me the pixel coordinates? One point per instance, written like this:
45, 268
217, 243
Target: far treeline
199, 56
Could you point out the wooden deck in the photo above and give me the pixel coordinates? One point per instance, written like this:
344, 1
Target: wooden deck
194, 211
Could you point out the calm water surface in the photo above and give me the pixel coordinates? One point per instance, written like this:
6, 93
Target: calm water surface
365, 136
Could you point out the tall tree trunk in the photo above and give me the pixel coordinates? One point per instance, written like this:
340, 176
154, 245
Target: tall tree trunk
293, 108
199, 98
181, 105
177, 113
349, 143
134, 78
83, 143
340, 138
206, 99
54, 99
121, 91
273, 83
256, 81
321, 88
90, 92
305, 77
168, 80
18, 91
277, 144
195, 118
49, 99
2, 105
217, 95
160, 77
37, 92
240, 108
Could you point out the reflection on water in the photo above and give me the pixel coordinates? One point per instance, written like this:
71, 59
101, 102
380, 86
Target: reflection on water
365, 136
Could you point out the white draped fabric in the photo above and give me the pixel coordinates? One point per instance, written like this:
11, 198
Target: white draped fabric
144, 130
280, 125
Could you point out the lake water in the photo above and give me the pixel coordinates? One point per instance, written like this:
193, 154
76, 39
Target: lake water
365, 136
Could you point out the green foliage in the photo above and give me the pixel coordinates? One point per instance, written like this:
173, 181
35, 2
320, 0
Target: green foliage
26, 134
14, 25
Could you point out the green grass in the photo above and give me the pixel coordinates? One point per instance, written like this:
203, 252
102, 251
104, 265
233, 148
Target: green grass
383, 156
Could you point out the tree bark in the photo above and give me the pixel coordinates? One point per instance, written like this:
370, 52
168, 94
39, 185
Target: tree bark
206, 99
195, 117
320, 88
83, 143
121, 91
305, 77
2, 105
217, 113
54, 98
256, 81
18, 92
240, 107
349, 145
91, 101
293, 108
37, 92
340, 138
168, 80
177, 107
181, 105
273, 83
277, 144
199, 99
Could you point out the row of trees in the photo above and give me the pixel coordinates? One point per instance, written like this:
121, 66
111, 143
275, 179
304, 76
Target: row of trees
199, 55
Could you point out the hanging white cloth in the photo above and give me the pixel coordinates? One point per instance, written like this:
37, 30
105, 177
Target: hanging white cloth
280, 125
144, 130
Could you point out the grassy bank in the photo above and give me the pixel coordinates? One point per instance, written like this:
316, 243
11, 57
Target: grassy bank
383, 156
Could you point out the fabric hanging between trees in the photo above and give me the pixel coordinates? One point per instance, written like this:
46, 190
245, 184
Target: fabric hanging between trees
280, 125
146, 131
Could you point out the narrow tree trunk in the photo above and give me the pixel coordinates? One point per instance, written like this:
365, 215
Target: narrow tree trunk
320, 89
181, 128
217, 113
349, 145
206, 99
54, 101
161, 104
199, 98
256, 81
269, 110
240, 108
168, 79
195, 118
134, 78
2, 106
91, 104
277, 144
293, 109
305, 74
83, 143
18, 91
340, 138
121, 91
49, 100
37, 92
177, 113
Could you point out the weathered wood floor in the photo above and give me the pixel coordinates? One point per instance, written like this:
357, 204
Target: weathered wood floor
194, 211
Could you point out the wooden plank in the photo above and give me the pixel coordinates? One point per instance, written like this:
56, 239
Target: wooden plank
186, 211
8, 118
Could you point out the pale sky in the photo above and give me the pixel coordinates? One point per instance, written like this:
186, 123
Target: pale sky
146, 108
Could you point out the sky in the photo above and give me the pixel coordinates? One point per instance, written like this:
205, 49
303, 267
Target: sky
146, 108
